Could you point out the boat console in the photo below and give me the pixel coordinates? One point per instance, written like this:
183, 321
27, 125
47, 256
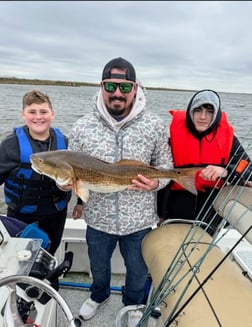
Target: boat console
29, 283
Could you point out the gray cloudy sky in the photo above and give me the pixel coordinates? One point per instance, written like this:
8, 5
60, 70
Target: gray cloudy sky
187, 45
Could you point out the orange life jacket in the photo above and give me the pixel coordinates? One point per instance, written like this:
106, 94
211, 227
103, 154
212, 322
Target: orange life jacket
212, 149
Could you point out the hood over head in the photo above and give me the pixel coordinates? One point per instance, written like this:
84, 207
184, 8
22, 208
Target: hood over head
200, 98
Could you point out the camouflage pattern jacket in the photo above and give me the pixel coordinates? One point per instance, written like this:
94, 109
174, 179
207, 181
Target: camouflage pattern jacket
141, 136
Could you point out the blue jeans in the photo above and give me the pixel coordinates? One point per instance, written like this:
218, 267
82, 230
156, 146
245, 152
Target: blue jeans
100, 249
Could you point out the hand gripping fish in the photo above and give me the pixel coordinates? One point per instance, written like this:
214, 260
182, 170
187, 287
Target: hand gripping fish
86, 173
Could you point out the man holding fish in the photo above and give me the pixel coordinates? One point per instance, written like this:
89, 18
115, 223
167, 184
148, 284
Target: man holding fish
120, 127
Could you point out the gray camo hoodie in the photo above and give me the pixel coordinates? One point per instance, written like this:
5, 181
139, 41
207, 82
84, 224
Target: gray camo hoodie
141, 135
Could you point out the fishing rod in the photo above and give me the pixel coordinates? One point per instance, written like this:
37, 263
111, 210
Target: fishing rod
235, 176
197, 264
163, 294
165, 286
163, 289
170, 320
159, 295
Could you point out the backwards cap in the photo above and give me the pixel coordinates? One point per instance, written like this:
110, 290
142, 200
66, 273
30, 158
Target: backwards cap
122, 64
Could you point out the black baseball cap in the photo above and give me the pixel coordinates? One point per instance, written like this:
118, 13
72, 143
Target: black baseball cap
122, 64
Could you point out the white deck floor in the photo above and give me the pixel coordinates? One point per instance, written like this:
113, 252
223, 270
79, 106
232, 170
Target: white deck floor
106, 314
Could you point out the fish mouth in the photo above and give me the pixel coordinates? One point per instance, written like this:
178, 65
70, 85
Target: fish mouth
36, 169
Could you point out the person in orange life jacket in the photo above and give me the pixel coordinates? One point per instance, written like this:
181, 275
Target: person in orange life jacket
201, 135
29, 196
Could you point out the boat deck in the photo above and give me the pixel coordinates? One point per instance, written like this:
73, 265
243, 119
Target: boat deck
78, 280
75, 295
74, 288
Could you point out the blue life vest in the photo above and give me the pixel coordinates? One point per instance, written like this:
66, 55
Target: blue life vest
23, 192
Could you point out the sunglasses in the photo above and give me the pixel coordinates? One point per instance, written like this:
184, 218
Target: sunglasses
124, 87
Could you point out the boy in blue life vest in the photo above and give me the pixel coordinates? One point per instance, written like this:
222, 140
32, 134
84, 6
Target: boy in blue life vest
29, 196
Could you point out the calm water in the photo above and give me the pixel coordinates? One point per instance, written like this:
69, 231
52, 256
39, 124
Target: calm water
70, 103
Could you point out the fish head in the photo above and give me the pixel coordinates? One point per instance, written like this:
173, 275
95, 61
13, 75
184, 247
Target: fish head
52, 165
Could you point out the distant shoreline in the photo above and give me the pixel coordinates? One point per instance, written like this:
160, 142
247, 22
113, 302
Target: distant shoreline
24, 81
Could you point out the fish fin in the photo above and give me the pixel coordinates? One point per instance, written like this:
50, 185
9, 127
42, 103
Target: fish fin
188, 183
81, 191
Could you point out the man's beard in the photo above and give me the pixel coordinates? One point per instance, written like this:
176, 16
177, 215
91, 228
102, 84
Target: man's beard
116, 110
